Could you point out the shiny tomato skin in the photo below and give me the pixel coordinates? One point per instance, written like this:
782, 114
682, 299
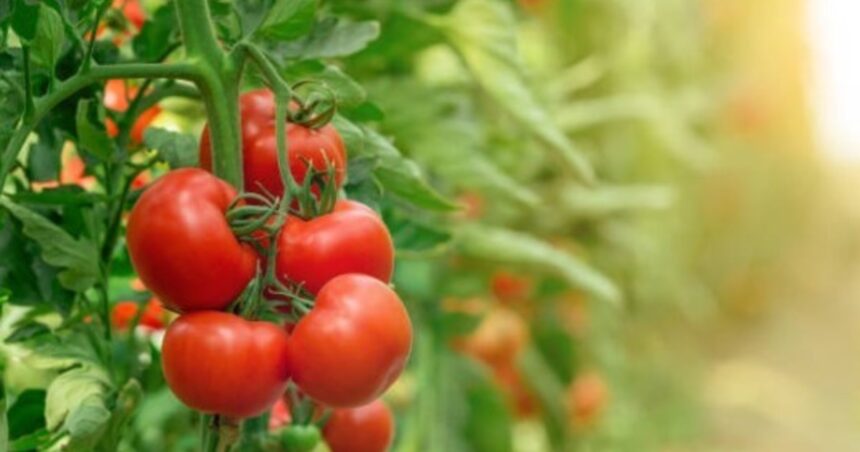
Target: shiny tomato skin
306, 147
353, 344
350, 239
368, 428
182, 246
220, 363
319, 147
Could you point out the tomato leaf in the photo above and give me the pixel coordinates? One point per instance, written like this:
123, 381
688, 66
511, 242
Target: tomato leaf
76, 403
49, 39
396, 174
178, 150
92, 138
26, 414
331, 37
27, 331
25, 17
77, 259
484, 33
415, 235
516, 248
157, 35
288, 19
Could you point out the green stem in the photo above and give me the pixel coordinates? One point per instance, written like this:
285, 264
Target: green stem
76, 83
219, 87
88, 57
28, 89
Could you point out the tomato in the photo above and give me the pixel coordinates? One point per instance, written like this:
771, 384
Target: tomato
300, 438
353, 344
508, 286
132, 10
500, 336
587, 396
123, 314
116, 98
72, 172
223, 364
518, 395
182, 246
280, 415
369, 428
350, 239
317, 148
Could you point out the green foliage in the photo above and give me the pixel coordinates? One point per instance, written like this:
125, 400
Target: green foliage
76, 257
178, 150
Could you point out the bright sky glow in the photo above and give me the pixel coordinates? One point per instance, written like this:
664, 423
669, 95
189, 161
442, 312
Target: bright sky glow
834, 30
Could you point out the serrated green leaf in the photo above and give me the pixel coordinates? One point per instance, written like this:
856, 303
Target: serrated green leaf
27, 331
78, 259
484, 33
396, 174
75, 401
86, 424
178, 150
332, 37
517, 248
50, 36
288, 19
93, 139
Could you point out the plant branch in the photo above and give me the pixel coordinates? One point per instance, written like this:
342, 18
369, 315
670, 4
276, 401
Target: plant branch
76, 83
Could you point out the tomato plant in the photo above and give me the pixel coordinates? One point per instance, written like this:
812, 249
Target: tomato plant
308, 234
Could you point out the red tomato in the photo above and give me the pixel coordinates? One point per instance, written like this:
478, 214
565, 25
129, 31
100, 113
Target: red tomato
350, 239
587, 396
353, 344
132, 10
499, 338
507, 286
124, 312
182, 246
116, 98
317, 148
280, 415
369, 428
221, 363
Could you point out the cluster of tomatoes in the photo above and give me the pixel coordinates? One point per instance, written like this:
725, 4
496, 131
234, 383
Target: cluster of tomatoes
352, 335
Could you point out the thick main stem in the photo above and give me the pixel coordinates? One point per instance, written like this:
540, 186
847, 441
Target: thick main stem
219, 86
